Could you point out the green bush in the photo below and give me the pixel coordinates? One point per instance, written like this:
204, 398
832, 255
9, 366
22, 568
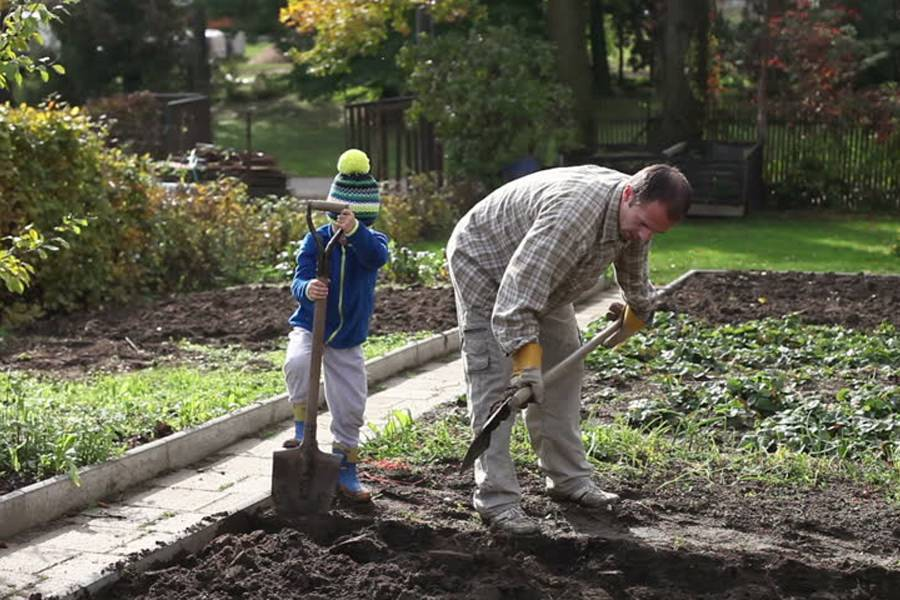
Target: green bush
409, 267
493, 96
420, 208
140, 238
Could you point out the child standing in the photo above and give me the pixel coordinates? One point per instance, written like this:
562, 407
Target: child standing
351, 298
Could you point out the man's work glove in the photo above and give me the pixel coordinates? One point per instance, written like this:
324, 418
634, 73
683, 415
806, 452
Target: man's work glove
527, 372
629, 323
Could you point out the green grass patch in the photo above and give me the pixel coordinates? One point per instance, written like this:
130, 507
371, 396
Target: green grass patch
770, 241
305, 138
776, 242
49, 426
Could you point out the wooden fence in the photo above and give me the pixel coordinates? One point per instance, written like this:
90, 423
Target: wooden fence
864, 164
395, 148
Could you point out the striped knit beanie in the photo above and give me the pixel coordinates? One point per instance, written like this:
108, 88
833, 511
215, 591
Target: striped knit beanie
355, 186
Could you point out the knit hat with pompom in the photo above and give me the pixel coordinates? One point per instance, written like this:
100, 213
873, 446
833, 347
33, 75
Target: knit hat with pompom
356, 186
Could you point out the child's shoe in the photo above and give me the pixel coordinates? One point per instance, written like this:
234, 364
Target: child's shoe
348, 480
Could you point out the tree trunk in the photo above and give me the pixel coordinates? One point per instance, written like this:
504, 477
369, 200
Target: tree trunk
682, 111
200, 71
599, 51
620, 38
762, 125
566, 22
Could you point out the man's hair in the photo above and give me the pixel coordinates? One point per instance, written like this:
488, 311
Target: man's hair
666, 184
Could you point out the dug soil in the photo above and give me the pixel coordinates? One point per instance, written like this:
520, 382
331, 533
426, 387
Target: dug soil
664, 541
674, 536
858, 301
255, 317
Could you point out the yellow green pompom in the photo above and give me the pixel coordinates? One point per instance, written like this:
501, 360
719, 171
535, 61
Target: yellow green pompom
353, 161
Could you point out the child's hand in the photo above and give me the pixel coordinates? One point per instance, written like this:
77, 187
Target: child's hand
346, 221
317, 290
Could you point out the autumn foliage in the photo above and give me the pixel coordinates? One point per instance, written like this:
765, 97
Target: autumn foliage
817, 58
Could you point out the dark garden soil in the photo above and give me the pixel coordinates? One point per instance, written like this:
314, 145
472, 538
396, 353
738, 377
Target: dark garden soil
255, 317
858, 301
423, 541
673, 537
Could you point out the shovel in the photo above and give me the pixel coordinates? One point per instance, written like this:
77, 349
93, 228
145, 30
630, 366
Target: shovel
304, 478
503, 409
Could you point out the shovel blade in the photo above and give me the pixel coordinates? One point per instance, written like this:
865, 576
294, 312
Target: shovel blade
303, 481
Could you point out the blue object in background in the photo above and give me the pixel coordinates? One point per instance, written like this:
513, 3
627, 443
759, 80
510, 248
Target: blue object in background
524, 166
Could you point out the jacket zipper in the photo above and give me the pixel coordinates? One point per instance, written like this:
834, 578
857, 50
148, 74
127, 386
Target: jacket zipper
340, 297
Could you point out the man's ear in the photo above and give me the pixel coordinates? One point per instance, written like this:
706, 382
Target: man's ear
628, 194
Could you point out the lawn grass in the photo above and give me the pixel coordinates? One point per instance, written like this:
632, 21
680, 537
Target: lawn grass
305, 138
770, 241
778, 242
48, 426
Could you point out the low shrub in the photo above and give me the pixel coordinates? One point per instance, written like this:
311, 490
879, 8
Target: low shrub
141, 238
423, 207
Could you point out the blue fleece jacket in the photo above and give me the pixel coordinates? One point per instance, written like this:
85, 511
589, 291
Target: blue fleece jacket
351, 293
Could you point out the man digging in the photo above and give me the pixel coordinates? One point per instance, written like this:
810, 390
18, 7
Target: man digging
518, 260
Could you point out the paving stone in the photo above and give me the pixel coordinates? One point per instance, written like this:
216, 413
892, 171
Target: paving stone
119, 516
13, 580
28, 558
76, 537
149, 540
265, 448
209, 478
78, 571
243, 494
174, 523
173, 499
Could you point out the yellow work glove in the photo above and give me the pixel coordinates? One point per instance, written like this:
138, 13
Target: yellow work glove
527, 372
629, 323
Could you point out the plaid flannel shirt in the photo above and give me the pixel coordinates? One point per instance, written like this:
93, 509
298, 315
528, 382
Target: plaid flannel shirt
538, 243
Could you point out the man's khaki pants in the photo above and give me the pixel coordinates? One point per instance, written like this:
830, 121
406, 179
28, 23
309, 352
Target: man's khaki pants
554, 425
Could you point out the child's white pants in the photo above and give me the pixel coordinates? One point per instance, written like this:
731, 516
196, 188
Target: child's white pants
346, 389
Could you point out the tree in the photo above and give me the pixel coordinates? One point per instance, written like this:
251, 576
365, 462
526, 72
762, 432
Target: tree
599, 50
255, 17
566, 19
816, 63
125, 46
493, 97
348, 29
22, 24
683, 44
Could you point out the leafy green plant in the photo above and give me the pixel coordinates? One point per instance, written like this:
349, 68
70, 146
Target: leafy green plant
762, 382
493, 96
20, 29
15, 270
410, 267
420, 207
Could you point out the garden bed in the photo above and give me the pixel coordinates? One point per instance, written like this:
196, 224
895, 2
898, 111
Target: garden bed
423, 541
859, 301
254, 317
708, 511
